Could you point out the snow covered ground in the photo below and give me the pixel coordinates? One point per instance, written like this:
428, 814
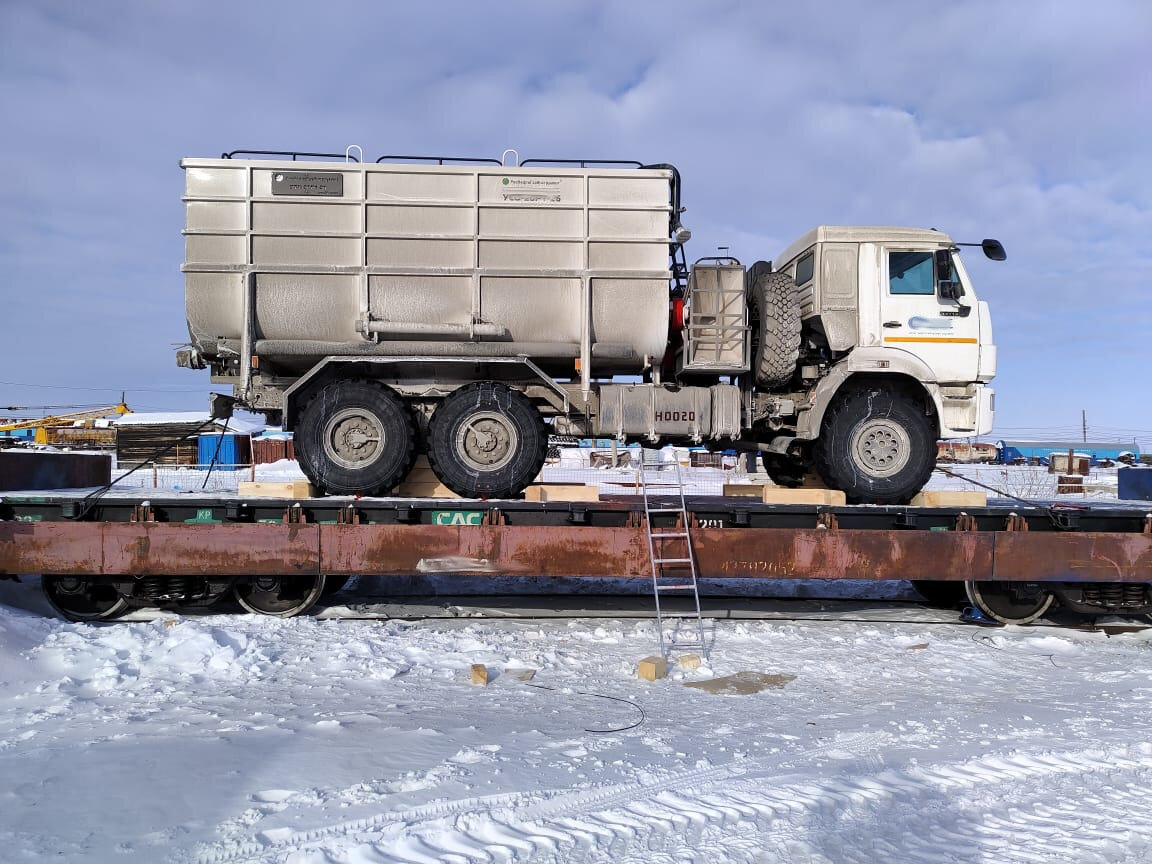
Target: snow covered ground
234, 738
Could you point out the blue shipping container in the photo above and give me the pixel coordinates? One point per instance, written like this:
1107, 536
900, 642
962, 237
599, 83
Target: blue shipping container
228, 459
1134, 484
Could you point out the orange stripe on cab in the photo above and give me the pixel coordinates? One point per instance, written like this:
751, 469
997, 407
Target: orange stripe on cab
966, 340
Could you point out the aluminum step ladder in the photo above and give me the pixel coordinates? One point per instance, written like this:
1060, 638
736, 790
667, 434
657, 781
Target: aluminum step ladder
671, 554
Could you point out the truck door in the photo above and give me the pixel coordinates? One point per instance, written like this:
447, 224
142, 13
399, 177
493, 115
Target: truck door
918, 315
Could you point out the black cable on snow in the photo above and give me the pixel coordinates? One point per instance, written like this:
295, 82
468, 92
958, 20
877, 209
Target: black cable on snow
643, 716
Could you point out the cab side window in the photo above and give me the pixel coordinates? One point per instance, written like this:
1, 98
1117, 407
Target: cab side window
805, 268
911, 273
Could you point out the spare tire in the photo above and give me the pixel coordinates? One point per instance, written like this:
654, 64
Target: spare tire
774, 318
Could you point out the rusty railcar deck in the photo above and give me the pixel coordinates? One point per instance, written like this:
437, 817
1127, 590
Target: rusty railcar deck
65, 533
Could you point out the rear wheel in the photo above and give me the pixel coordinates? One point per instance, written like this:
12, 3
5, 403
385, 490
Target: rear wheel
80, 599
355, 438
877, 446
1009, 602
279, 596
487, 440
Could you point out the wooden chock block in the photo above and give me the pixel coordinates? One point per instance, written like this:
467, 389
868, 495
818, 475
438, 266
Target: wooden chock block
480, 674
780, 495
293, 489
422, 482
651, 668
950, 498
561, 492
424, 489
689, 661
743, 490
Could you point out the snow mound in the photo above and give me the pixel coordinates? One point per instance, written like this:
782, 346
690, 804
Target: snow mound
110, 657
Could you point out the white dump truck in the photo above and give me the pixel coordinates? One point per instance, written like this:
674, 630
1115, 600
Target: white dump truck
467, 309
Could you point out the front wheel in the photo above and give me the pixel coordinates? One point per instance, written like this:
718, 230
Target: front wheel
877, 446
487, 440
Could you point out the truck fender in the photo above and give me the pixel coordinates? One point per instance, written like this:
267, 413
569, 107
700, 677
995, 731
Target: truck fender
872, 362
454, 371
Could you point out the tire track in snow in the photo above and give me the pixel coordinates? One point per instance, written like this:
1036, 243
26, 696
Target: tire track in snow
1049, 807
257, 851
934, 814
601, 798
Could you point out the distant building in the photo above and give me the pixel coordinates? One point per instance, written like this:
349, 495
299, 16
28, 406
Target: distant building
173, 438
1039, 451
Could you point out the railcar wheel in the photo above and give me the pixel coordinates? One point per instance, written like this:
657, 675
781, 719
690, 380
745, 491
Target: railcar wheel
943, 594
877, 446
487, 440
1008, 602
355, 438
279, 596
79, 599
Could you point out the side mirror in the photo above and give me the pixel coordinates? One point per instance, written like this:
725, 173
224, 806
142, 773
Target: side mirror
994, 249
950, 288
944, 270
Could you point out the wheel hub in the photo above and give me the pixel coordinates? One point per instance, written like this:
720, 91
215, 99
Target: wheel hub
71, 585
353, 438
486, 441
881, 448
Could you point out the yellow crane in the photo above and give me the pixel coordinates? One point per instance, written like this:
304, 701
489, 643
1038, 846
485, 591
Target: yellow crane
42, 425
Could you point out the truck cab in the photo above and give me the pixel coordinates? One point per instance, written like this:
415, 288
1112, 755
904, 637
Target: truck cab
891, 311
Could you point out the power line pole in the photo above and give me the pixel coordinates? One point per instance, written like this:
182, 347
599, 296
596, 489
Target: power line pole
1084, 425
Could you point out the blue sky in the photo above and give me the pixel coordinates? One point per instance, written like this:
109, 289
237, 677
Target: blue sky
1028, 122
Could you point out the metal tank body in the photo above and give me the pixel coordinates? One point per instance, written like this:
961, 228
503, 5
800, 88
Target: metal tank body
336, 258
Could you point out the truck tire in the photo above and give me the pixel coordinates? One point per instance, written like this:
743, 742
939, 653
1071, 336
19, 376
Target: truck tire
355, 438
877, 446
487, 440
774, 318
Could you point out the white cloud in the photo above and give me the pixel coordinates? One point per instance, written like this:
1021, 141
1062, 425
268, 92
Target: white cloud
1026, 121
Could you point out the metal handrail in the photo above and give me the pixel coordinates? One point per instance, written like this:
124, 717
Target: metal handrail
583, 163
439, 160
347, 156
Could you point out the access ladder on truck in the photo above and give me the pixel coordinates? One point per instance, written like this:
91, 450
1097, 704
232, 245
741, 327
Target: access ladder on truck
716, 317
671, 555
